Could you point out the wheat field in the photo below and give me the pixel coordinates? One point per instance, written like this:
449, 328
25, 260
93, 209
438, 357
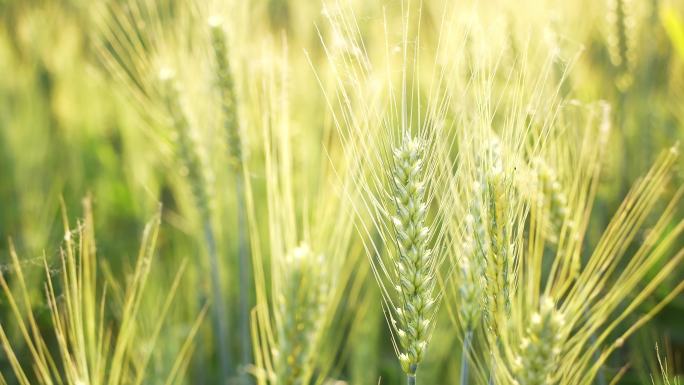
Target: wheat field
331, 192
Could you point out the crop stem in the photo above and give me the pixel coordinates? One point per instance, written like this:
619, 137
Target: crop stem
465, 368
220, 319
244, 272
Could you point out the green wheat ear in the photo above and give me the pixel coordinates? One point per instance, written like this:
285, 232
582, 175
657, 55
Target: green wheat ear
416, 285
541, 346
301, 307
552, 195
495, 214
193, 169
226, 86
192, 165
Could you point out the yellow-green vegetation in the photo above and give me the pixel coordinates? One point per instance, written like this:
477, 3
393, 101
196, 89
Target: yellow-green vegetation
341, 192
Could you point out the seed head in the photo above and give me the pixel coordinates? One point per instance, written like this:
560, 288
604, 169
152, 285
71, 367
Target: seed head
413, 263
541, 346
301, 308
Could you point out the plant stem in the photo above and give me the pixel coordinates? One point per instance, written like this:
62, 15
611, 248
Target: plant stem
464, 357
490, 380
220, 320
411, 374
244, 272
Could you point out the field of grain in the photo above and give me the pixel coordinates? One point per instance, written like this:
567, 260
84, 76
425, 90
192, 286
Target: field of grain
330, 192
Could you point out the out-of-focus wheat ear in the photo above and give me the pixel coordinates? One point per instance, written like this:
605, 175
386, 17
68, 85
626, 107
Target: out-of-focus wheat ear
540, 347
193, 170
471, 292
497, 212
301, 307
231, 125
621, 40
226, 88
468, 281
188, 156
552, 196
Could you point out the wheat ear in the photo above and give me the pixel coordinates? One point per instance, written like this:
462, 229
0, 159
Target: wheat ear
231, 124
540, 347
416, 284
198, 184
